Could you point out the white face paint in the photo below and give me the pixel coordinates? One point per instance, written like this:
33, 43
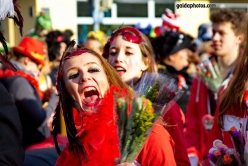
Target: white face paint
126, 58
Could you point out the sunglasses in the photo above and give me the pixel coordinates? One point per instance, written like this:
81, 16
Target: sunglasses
129, 34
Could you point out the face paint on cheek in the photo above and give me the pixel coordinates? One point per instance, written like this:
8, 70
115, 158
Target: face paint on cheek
132, 62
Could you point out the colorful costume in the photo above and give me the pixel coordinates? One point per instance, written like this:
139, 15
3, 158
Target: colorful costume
234, 118
99, 135
157, 152
199, 118
175, 121
196, 134
43, 24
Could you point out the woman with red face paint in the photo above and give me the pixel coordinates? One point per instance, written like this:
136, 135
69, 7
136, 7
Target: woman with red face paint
86, 85
131, 54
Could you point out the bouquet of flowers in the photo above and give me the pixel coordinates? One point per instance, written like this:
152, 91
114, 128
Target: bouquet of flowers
229, 157
210, 74
160, 89
222, 157
238, 142
137, 116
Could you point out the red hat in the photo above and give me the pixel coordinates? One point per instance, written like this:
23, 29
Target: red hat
33, 48
171, 20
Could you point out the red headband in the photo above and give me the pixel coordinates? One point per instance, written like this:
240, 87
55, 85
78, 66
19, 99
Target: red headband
75, 53
129, 34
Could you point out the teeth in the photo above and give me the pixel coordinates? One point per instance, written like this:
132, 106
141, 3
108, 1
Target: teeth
89, 89
119, 68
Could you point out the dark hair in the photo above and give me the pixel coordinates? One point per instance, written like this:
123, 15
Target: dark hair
236, 17
67, 34
53, 40
66, 102
170, 42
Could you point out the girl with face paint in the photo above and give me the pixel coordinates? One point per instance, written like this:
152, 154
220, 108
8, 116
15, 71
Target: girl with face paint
131, 54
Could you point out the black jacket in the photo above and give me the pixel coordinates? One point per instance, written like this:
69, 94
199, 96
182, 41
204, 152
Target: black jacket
33, 116
11, 151
173, 73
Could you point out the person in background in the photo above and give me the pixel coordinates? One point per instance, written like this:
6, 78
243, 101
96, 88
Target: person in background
11, 131
23, 86
2, 48
43, 24
204, 34
96, 41
130, 53
56, 44
231, 112
170, 21
204, 41
226, 41
2, 51
44, 153
172, 51
11, 150
144, 28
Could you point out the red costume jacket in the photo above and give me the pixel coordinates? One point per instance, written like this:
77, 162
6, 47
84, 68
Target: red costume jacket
233, 118
198, 112
99, 136
153, 152
157, 152
196, 134
230, 119
175, 121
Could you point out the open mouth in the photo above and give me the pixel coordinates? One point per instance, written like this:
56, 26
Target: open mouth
91, 96
120, 70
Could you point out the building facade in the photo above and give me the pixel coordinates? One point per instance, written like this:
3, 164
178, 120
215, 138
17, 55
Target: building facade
79, 15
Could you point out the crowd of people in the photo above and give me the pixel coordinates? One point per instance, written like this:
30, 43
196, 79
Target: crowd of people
49, 81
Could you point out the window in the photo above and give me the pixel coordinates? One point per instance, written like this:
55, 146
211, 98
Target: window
84, 29
236, 6
82, 33
84, 9
108, 29
160, 8
132, 10
107, 13
46, 10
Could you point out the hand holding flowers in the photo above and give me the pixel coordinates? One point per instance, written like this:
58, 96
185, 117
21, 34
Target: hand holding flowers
210, 74
221, 155
136, 117
134, 127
